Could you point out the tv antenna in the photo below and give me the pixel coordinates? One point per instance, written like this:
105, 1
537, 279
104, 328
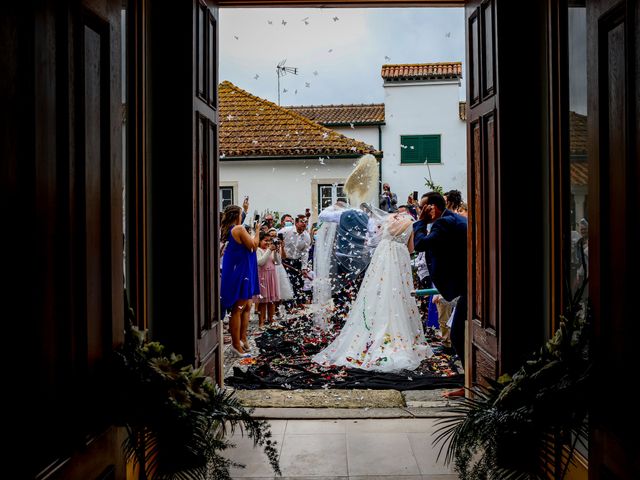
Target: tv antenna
281, 71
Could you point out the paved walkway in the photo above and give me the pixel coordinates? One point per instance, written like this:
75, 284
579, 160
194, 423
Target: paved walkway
355, 449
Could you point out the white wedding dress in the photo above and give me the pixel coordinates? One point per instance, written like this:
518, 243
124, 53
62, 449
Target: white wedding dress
383, 331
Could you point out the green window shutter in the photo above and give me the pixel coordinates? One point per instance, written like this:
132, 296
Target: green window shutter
420, 149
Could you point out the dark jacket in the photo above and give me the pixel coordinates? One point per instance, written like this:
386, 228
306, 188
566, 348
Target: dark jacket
446, 252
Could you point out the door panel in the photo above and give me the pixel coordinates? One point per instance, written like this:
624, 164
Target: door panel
183, 176
483, 195
614, 151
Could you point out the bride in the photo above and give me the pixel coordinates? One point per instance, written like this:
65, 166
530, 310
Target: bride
383, 331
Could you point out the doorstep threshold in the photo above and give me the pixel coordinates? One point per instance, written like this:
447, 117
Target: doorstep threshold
348, 413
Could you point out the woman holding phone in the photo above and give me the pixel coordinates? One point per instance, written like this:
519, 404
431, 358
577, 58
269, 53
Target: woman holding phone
239, 280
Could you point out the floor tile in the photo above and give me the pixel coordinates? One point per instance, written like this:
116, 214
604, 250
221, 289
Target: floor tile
314, 455
380, 454
255, 461
307, 427
278, 426
386, 477
439, 477
392, 425
426, 454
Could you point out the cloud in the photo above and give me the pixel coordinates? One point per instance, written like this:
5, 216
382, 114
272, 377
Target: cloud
359, 42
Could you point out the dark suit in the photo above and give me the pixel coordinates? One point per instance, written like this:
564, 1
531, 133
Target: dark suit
446, 254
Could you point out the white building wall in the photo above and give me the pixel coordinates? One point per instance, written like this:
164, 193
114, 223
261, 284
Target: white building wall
368, 134
424, 109
284, 186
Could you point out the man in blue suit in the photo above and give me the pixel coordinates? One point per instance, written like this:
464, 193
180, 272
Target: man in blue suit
446, 254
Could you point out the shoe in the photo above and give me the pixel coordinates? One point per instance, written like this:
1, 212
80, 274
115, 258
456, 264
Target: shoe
238, 354
246, 347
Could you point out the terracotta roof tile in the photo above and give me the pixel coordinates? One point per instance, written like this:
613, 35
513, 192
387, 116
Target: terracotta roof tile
422, 71
253, 127
577, 134
579, 173
364, 114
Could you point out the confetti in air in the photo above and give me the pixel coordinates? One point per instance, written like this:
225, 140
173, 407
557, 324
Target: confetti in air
351, 125
256, 76
307, 84
330, 50
448, 34
305, 20
315, 73
236, 37
335, 19
284, 90
284, 23
270, 22
229, 117
388, 59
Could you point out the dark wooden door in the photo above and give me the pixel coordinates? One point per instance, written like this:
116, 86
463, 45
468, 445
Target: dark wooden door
614, 199
483, 194
507, 137
183, 166
206, 259
62, 172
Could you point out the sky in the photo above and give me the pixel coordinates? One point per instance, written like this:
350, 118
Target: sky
338, 52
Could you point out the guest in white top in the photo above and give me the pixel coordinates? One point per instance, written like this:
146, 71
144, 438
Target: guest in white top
296, 249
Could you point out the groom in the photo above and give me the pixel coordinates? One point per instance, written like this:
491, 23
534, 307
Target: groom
446, 254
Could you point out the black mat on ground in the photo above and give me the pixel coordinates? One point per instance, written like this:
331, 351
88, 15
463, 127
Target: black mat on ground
285, 362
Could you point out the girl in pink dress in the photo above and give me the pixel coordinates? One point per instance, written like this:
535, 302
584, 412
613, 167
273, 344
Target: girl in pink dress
268, 280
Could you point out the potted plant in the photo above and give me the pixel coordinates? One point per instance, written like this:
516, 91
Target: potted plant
177, 419
526, 426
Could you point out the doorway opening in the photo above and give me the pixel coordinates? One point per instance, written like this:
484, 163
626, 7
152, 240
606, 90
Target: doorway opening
303, 95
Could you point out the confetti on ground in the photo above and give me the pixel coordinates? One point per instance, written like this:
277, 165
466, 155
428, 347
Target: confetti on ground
284, 362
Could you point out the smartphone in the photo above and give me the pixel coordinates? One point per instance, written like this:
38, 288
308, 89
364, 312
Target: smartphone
257, 217
415, 195
281, 236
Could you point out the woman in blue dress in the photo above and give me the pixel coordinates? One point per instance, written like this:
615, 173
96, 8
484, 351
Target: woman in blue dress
239, 280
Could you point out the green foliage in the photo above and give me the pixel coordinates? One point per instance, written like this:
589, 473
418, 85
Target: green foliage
514, 428
429, 183
177, 418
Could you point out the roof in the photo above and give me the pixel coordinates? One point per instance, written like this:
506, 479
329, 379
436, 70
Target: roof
253, 127
422, 71
335, 115
579, 173
577, 134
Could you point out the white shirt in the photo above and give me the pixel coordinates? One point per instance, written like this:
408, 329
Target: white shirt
296, 245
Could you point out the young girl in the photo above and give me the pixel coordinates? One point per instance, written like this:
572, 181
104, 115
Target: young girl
286, 290
268, 279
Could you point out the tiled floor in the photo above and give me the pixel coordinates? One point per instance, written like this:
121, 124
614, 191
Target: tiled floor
347, 449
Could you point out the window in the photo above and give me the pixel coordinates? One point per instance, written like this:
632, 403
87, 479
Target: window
226, 197
420, 149
328, 194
